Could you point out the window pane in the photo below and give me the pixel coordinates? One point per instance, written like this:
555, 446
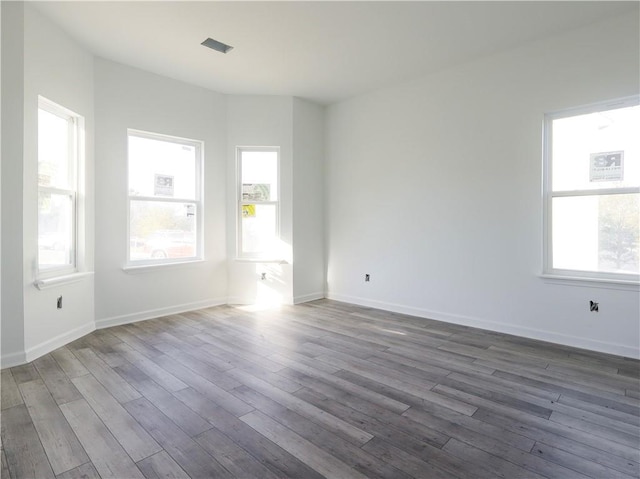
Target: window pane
597, 233
259, 175
53, 150
55, 230
161, 230
597, 150
259, 228
162, 168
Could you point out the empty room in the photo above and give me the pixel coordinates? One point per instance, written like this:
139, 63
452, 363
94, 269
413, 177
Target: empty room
320, 239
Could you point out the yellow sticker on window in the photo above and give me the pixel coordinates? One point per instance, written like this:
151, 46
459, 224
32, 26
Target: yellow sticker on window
248, 211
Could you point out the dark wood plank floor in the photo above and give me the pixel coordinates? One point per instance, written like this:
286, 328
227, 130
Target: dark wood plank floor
323, 389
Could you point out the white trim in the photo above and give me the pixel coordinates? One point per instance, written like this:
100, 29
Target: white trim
522, 331
157, 313
12, 359
305, 298
52, 344
60, 280
590, 282
548, 271
153, 267
198, 201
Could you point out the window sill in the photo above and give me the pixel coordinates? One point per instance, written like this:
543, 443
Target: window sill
150, 268
260, 260
619, 284
60, 280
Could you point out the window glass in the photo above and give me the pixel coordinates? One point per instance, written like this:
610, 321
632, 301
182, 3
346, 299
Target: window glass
165, 208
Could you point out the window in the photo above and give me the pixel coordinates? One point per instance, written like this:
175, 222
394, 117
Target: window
592, 191
258, 207
165, 199
59, 150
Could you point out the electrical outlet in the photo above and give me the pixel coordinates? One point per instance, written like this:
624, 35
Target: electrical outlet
59, 302
263, 276
366, 278
593, 306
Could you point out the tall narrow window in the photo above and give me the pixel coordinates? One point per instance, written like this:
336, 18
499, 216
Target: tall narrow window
258, 206
59, 140
165, 198
592, 191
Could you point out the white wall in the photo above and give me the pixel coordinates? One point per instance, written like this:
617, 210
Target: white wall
308, 201
12, 346
260, 121
58, 69
129, 98
41, 60
434, 189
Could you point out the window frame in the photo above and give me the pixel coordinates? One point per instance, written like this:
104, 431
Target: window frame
198, 201
548, 194
75, 156
240, 254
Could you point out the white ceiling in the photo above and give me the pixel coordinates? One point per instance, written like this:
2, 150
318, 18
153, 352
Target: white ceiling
323, 51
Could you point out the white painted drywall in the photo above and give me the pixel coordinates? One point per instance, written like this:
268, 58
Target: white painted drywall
12, 347
60, 70
260, 121
308, 201
433, 187
125, 98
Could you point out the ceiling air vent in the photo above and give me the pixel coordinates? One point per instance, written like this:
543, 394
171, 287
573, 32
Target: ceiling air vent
216, 45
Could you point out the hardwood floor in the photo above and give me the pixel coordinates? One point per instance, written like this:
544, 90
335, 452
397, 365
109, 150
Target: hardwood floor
322, 389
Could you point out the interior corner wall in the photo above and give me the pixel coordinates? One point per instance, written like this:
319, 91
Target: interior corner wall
61, 71
308, 201
434, 189
127, 97
257, 120
12, 42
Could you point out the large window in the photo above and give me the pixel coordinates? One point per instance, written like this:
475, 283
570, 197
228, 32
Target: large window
59, 150
165, 199
592, 191
258, 207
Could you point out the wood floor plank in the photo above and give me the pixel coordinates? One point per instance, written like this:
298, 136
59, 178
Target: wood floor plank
117, 386
57, 382
106, 453
576, 463
233, 457
9, 392
67, 361
150, 368
499, 466
268, 453
131, 436
404, 461
25, 455
296, 445
58, 439
86, 471
191, 457
331, 423
616, 464
343, 450
25, 373
161, 466
169, 405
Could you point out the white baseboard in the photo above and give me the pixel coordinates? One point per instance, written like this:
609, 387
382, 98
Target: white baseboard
531, 333
34, 352
304, 298
157, 313
12, 359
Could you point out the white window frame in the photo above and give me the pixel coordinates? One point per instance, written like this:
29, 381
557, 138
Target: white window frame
548, 194
240, 254
198, 201
76, 157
